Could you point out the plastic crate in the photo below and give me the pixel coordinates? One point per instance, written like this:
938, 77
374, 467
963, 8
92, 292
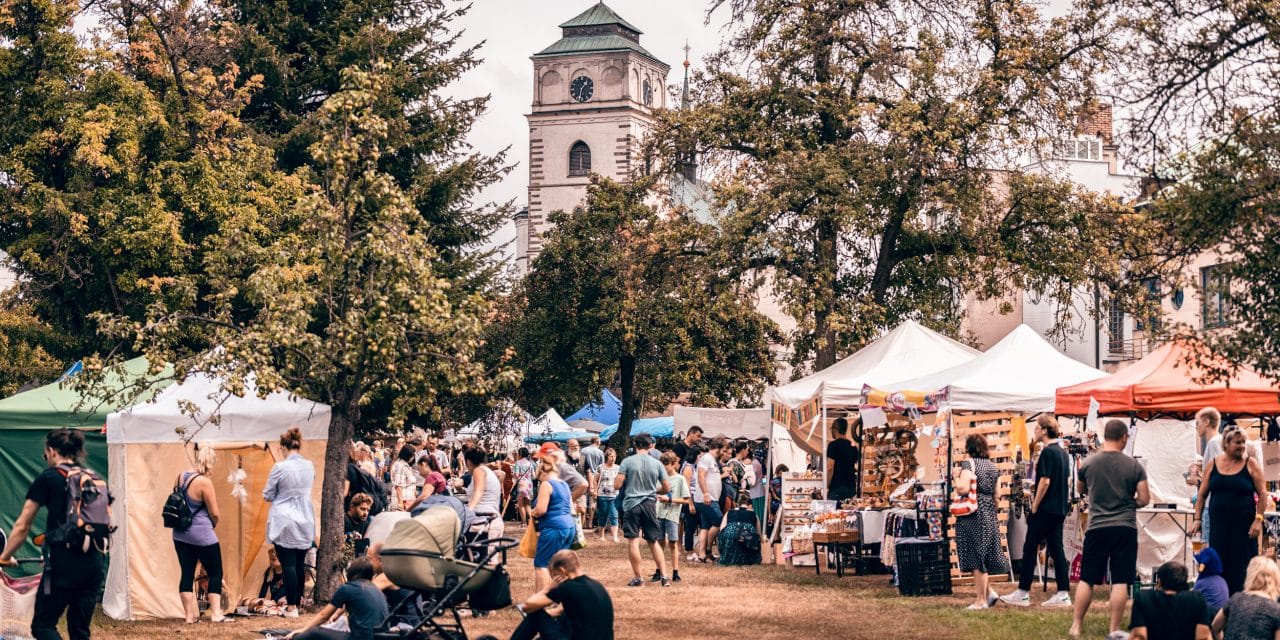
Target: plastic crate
923, 566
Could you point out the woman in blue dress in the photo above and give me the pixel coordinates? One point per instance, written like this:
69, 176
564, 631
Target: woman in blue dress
553, 517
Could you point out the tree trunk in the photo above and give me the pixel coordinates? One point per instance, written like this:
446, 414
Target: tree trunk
627, 377
329, 557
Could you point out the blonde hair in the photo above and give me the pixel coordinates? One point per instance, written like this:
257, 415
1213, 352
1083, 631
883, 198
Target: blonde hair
205, 459
1263, 575
1210, 415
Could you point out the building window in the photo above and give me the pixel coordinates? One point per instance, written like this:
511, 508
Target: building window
1115, 329
579, 159
1151, 321
1215, 283
1078, 149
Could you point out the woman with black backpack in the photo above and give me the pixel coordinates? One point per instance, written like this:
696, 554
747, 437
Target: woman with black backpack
198, 542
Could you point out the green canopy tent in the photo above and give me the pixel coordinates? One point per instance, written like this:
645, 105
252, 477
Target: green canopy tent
25, 418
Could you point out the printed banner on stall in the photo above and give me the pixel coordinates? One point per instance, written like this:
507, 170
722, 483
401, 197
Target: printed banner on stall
905, 401
800, 417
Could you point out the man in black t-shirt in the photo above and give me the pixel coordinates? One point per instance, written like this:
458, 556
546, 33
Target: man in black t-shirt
681, 448
72, 578
577, 608
842, 468
1170, 611
1044, 524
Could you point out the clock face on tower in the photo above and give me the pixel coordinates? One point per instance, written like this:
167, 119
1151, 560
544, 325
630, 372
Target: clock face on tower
648, 94
581, 88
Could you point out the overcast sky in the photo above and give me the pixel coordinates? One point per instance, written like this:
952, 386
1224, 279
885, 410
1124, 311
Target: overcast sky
513, 30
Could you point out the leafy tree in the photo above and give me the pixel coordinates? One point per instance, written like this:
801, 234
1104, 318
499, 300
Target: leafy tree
118, 165
869, 156
301, 50
344, 305
1201, 81
622, 295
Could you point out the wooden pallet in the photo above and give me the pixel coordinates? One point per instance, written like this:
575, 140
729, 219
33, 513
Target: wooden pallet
996, 427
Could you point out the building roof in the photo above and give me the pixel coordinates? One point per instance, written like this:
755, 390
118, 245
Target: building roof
597, 15
594, 44
597, 30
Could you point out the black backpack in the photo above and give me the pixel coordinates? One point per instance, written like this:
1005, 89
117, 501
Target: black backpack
177, 511
372, 486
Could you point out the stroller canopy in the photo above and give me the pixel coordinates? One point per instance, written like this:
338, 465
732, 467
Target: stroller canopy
435, 530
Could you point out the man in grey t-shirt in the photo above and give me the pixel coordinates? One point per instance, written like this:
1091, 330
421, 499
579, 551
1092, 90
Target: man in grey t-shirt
1117, 487
641, 478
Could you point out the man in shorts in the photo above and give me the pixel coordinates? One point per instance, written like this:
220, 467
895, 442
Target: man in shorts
706, 496
1117, 487
670, 506
641, 478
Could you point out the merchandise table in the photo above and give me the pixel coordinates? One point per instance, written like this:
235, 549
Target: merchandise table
838, 542
1181, 518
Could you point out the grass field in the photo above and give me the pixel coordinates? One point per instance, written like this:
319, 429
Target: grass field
766, 602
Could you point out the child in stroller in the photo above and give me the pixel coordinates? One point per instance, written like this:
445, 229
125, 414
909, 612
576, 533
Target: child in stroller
430, 556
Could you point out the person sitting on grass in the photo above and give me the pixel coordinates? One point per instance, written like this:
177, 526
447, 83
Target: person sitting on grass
576, 608
1209, 580
1252, 614
1170, 611
740, 534
356, 523
363, 602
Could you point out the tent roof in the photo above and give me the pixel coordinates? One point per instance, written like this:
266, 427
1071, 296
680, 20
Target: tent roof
730, 423
1163, 384
559, 436
1020, 373
55, 405
911, 349
607, 411
661, 427
241, 419
506, 414
546, 424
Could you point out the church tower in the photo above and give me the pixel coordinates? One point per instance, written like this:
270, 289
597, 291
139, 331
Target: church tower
593, 92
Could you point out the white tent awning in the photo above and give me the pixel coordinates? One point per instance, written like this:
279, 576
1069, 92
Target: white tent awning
1021, 373
730, 423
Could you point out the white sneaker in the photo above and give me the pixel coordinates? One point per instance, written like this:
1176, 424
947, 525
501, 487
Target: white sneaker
1060, 600
290, 613
1017, 599
1118, 635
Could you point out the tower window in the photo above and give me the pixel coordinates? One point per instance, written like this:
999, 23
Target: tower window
579, 159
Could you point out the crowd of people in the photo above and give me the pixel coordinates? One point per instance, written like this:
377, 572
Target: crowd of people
696, 500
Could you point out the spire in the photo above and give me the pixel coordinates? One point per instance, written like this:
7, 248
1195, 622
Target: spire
684, 93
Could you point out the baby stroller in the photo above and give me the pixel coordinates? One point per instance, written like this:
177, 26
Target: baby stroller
424, 554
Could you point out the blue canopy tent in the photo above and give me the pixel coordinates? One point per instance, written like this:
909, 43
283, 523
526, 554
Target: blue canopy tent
607, 411
663, 427
559, 436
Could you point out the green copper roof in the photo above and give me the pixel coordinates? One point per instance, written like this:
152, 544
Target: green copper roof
600, 14
590, 44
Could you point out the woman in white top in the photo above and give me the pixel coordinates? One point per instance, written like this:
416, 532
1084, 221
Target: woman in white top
291, 523
404, 482
606, 509
484, 493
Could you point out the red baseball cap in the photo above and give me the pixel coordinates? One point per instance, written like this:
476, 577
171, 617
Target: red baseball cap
547, 447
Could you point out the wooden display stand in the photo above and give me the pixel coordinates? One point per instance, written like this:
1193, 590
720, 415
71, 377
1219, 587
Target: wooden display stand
996, 427
797, 497
880, 444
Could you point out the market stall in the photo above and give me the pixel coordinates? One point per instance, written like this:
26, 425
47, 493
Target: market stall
994, 395
25, 418
149, 444
1159, 396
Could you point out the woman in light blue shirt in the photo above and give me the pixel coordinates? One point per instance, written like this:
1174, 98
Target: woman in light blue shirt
291, 525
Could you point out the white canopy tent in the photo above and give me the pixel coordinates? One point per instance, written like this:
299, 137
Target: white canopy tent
150, 444
752, 424
1021, 374
909, 350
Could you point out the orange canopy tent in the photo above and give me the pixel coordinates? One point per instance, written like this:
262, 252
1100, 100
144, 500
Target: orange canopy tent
1165, 384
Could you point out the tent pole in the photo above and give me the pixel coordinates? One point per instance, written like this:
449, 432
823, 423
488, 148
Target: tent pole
825, 480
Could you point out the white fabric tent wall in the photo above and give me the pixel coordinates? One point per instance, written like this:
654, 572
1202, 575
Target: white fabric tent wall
1021, 373
909, 350
146, 449
752, 424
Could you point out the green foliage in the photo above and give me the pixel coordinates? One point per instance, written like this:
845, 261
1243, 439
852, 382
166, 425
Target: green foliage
1201, 80
870, 160
301, 51
621, 295
24, 358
